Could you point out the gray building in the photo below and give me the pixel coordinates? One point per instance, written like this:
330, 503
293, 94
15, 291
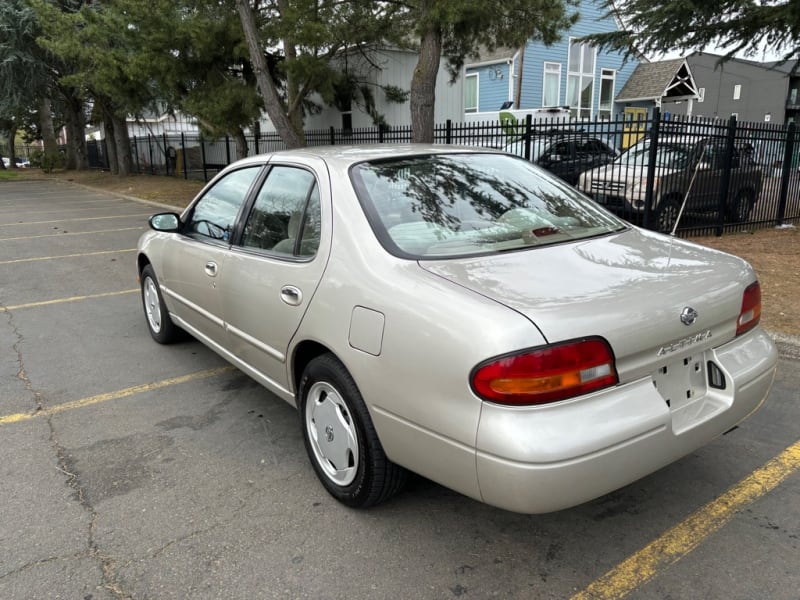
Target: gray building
751, 90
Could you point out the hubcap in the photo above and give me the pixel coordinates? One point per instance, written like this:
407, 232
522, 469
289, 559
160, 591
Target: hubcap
332, 433
151, 305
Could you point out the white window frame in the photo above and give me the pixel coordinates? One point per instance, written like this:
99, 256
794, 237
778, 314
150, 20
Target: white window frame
702, 93
737, 91
606, 75
581, 75
477, 79
551, 68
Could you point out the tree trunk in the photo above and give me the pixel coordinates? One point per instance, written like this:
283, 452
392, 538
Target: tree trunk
269, 93
12, 150
76, 137
110, 142
423, 85
123, 144
48, 131
241, 143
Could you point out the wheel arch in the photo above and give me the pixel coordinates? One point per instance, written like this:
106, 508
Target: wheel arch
141, 262
304, 353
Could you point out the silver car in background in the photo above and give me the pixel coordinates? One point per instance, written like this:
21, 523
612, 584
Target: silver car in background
460, 314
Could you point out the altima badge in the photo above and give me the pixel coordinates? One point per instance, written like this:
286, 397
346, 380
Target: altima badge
688, 315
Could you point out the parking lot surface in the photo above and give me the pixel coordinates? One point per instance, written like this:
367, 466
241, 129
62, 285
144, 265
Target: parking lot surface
133, 470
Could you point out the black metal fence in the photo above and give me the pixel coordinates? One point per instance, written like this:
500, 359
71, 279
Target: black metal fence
708, 175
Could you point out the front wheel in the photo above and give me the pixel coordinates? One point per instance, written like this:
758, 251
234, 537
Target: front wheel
667, 215
159, 323
340, 438
742, 205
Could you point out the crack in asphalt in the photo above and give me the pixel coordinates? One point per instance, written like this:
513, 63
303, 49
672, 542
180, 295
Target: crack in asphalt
16, 347
109, 579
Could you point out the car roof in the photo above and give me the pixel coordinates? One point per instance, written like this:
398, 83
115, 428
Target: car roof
347, 155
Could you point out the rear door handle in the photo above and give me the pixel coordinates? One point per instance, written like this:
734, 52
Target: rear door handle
211, 268
291, 295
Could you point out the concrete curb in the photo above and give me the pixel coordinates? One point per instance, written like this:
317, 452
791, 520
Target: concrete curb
788, 345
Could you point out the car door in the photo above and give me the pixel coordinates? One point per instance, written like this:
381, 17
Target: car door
191, 266
272, 272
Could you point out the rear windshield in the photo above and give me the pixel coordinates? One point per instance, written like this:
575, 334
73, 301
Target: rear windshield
453, 205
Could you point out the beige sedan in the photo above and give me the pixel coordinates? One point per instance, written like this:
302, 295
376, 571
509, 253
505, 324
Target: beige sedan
461, 314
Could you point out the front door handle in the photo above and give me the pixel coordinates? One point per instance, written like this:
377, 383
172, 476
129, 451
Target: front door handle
291, 295
211, 269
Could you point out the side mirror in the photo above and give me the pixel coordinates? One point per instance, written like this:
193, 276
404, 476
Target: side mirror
167, 222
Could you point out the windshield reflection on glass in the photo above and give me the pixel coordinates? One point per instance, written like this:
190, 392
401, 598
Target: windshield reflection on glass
465, 204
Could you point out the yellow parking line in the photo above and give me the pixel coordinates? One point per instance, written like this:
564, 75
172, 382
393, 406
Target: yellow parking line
62, 234
686, 536
137, 389
63, 300
38, 258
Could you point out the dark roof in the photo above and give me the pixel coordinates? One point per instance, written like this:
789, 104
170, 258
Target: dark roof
661, 79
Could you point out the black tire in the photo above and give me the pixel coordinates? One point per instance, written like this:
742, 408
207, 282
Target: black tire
159, 323
666, 215
742, 205
340, 438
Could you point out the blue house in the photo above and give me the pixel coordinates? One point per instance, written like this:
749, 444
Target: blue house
570, 73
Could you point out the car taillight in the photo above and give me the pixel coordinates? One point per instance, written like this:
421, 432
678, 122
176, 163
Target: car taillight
546, 374
750, 314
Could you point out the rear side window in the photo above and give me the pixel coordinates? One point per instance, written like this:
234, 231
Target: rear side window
285, 218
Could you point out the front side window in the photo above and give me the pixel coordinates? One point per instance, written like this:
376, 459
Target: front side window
471, 93
285, 218
552, 84
580, 79
215, 213
452, 205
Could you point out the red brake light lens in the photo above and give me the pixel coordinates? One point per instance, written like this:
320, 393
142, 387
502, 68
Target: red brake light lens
547, 374
750, 314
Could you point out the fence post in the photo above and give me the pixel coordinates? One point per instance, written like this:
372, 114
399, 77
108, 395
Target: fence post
203, 155
136, 153
150, 151
651, 166
255, 142
527, 135
725, 184
787, 169
227, 150
166, 152
183, 156
380, 133
448, 132
332, 135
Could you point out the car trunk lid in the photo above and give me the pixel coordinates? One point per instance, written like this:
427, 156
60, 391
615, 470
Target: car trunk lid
630, 288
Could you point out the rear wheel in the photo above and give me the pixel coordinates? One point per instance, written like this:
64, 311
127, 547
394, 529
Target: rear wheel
667, 215
742, 205
159, 323
340, 438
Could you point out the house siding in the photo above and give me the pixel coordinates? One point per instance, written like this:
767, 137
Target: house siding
592, 19
395, 68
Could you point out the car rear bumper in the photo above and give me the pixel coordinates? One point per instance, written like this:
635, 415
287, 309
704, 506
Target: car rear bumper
542, 459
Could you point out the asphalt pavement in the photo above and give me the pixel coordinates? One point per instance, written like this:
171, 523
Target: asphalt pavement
133, 470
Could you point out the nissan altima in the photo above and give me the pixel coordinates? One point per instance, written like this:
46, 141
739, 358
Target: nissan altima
461, 314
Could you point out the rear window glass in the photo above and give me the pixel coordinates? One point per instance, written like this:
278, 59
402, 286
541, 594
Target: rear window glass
449, 205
